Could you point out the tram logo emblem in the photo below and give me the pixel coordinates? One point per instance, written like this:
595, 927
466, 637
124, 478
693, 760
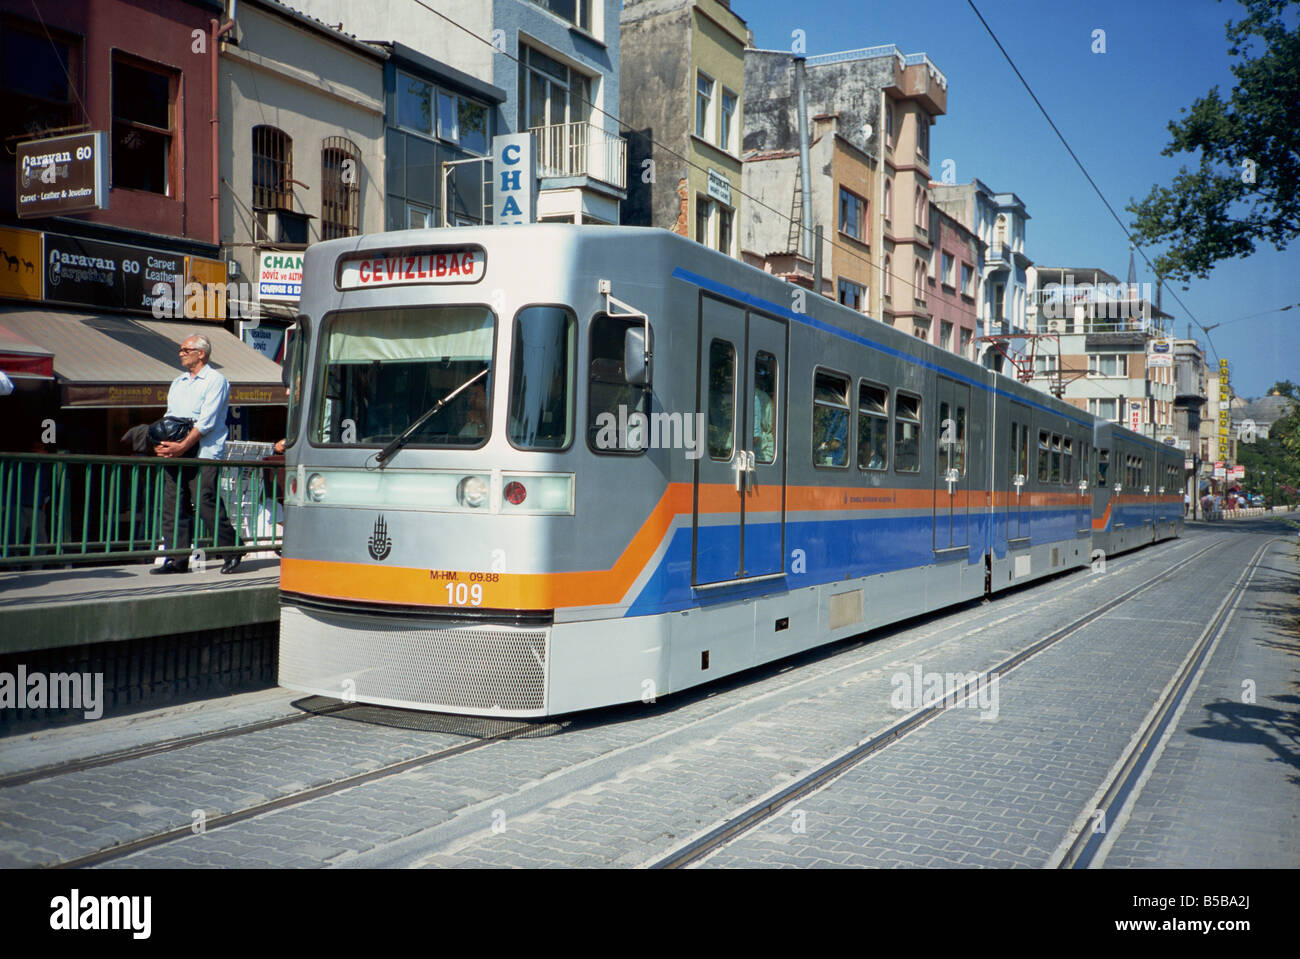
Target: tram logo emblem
379, 544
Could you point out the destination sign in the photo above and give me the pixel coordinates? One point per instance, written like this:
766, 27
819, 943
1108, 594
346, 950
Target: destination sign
405, 268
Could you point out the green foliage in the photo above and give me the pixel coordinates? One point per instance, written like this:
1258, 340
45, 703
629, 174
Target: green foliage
1273, 465
1244, 188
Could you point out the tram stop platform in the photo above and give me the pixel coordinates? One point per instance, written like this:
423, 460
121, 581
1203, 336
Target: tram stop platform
156, 639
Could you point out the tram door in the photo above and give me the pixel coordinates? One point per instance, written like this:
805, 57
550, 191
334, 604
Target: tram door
1018, 475
740, 476
1082, 480
951, 482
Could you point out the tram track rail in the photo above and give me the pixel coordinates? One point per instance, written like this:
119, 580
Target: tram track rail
154, 840
762, 810
25, 776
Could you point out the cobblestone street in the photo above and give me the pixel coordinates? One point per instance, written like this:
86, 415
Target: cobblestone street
1005, 778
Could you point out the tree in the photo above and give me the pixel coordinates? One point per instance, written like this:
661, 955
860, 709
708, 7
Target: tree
1273, 465
1244, 189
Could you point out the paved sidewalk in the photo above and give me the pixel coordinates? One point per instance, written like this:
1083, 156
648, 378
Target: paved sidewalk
1226, 790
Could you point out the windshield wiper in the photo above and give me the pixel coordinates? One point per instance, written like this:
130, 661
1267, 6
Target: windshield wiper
400, 440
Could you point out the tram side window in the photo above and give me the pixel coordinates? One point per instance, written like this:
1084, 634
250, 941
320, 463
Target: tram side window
959, 451
722, 399
611, 399
1103, 465
946, 429
764, 407
1067, 461
382, 370
873, 427
541, 378
952, 438
907, 434
1024, 450
1044, 451
830, 420
1014, 461
1056, 458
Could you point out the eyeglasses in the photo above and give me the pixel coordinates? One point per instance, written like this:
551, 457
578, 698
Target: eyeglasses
188, 350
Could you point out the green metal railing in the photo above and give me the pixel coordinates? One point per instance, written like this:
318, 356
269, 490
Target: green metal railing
61, 509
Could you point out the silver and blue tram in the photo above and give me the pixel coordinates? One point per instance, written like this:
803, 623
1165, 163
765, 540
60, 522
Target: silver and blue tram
548, 468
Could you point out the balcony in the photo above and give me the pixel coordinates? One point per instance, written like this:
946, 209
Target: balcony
581, 149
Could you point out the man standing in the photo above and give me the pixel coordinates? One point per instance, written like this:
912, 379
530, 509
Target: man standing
199, 394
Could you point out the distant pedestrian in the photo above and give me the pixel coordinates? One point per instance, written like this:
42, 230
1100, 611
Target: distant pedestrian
1187, 504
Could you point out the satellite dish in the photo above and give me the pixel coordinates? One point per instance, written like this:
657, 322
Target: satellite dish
866, 132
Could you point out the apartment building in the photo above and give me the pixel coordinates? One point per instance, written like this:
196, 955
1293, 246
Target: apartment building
545, 67
108, 203
877, 105
1104, 347
685, 59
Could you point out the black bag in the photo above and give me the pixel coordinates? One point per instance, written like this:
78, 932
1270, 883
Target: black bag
169, 429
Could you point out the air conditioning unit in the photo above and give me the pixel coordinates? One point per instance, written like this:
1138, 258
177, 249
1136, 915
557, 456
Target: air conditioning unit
266, 227
1055, 326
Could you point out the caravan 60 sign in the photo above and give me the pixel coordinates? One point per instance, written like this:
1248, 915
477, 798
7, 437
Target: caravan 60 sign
62, 175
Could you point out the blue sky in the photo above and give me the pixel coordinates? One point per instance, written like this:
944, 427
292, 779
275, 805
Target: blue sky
1112, 107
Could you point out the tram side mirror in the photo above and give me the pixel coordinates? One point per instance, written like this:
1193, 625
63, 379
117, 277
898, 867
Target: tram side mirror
638, 356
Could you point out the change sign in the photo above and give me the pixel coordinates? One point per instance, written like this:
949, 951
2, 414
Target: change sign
62, 175
279, 276
514, 164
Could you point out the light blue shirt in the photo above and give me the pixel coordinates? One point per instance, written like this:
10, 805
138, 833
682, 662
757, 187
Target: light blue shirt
203, 399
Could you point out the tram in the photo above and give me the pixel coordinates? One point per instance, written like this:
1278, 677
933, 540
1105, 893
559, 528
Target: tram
547, 468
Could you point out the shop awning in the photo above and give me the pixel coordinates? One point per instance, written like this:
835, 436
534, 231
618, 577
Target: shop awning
21, 359
113, 361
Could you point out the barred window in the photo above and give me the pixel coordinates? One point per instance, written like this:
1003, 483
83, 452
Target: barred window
340, 175
272, 169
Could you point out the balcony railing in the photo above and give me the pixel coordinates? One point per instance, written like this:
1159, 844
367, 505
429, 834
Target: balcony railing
581, 149
84, 509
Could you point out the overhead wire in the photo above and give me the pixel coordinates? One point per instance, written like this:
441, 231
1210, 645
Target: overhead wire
1084, 170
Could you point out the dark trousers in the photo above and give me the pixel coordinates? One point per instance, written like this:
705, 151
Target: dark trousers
193, 483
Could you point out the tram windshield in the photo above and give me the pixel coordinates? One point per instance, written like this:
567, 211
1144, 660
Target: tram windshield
382, 369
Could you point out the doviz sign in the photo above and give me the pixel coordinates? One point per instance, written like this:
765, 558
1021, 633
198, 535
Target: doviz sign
279, 276
514, 165
112, 275
719, 187
62, 175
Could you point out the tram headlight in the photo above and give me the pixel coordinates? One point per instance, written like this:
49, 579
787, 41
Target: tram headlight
316, 487
472, 491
